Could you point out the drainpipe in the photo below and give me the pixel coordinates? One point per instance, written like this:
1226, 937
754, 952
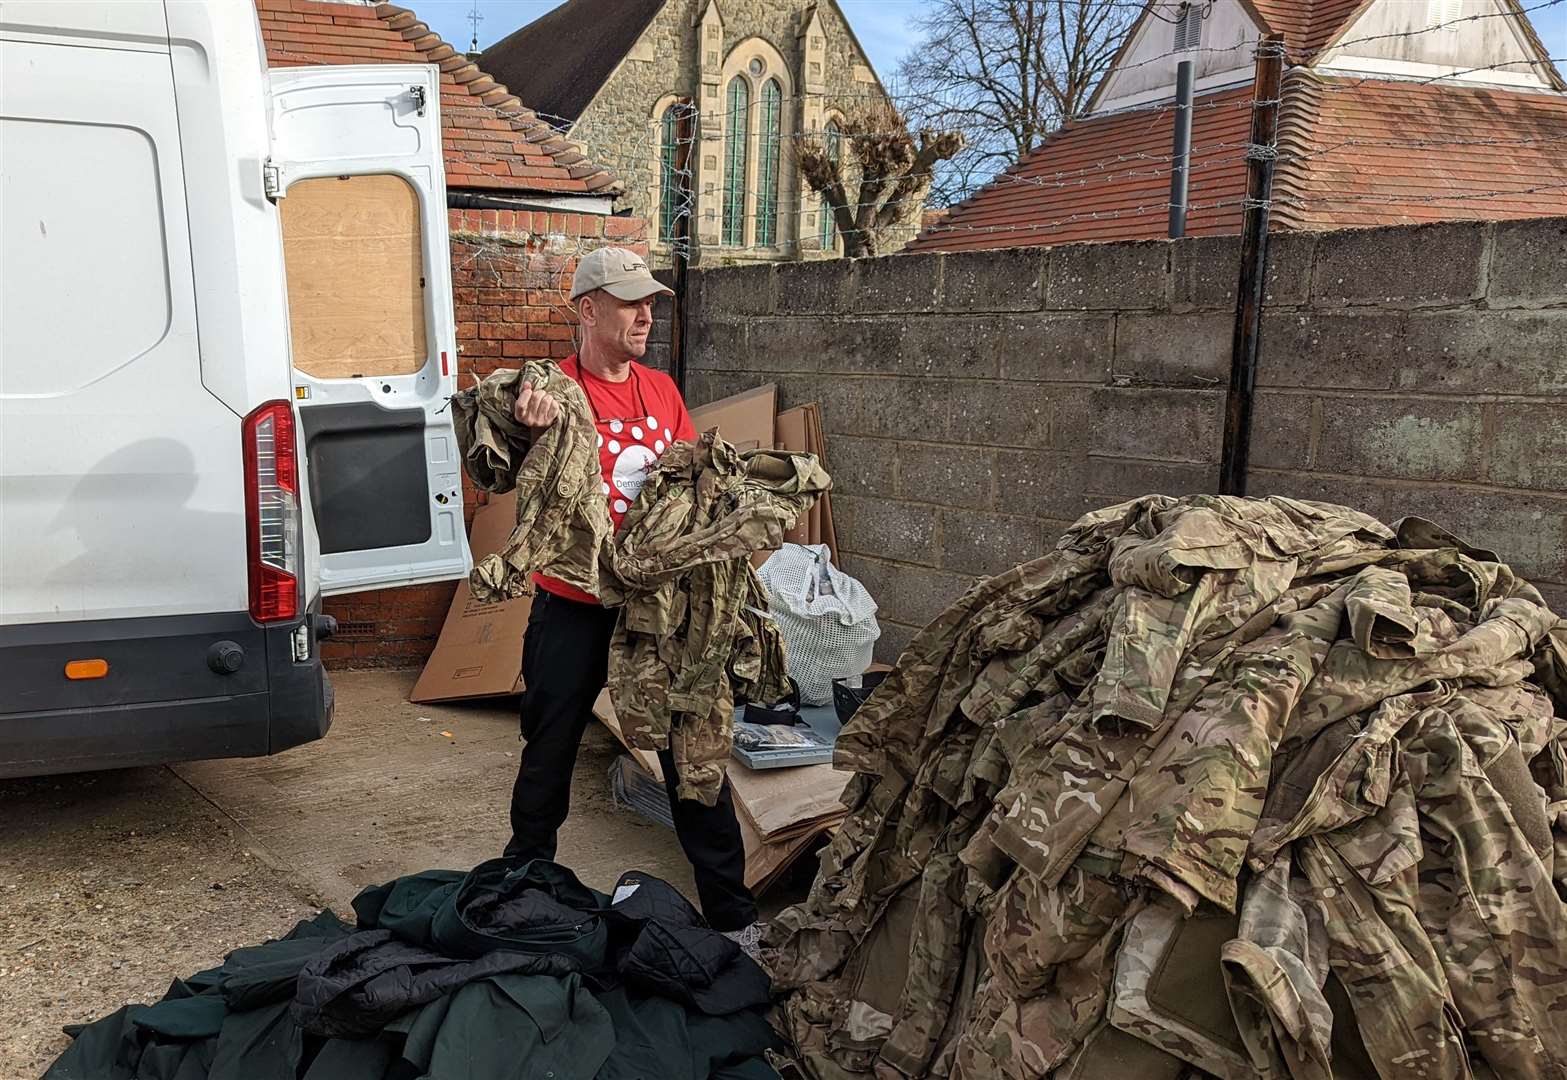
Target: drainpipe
1181, 154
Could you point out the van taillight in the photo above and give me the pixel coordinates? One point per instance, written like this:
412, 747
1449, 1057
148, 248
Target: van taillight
272, 512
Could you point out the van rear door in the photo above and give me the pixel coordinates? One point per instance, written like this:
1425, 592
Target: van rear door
358, 177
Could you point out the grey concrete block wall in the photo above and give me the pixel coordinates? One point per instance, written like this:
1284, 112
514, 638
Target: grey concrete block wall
976, 404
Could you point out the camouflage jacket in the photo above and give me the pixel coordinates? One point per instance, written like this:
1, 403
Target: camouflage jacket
693, 631
1217, 787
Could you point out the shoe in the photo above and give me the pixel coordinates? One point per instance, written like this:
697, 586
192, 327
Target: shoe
749, 939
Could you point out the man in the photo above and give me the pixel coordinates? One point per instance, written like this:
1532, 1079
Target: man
638, 412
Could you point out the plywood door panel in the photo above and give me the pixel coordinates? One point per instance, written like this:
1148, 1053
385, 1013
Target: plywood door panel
355, 269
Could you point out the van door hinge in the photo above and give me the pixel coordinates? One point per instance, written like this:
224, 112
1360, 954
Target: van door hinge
271, 180
417, 92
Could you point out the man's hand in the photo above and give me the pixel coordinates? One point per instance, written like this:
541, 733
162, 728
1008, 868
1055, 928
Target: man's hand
536, 409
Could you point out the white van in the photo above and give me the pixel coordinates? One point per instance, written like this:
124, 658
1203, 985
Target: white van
226, 348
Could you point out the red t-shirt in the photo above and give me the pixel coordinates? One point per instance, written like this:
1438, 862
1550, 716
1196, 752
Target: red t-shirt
637, 419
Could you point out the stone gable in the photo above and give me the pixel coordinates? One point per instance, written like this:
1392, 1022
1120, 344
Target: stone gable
824, 73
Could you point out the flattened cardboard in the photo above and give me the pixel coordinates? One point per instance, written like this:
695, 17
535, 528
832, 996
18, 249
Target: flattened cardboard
819, 441
775, 801
767, 856
787, 801
800, 429
766, 861
745, 419
479, 652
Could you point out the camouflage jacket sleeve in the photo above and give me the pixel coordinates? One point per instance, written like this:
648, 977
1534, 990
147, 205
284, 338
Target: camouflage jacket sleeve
711, 503
563, 525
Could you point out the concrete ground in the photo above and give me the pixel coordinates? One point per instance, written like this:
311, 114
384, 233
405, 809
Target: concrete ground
114, 883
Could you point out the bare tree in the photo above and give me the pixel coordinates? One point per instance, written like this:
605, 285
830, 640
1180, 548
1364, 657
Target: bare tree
875, 189
1007, 73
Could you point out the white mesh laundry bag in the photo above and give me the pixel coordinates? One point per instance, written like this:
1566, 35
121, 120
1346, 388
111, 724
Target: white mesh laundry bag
827, 619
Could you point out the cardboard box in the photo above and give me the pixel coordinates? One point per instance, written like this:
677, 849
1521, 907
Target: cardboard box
800, 429
745, 419
479, 652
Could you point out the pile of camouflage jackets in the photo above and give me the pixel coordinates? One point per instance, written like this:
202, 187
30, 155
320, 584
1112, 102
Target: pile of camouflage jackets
511, 971
693, 633
1217, 787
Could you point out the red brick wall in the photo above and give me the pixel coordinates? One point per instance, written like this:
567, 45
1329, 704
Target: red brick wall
511, 270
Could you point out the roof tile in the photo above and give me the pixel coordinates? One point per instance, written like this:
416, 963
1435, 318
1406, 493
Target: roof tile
1308, 25
1353, 152
1389, 152
1108, 178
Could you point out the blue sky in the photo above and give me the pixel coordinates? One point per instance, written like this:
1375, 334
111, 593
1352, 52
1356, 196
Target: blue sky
885, 27
1551, 24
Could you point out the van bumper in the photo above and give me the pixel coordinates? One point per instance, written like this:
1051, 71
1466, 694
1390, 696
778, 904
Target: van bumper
178, 688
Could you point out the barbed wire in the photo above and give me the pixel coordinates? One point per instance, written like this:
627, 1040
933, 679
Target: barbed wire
1333, 82
1111, 169
548, 278
648, 147
678, 197
642, 148
539, 263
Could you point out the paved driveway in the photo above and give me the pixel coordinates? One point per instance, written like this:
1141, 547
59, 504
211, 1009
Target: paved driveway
112, 884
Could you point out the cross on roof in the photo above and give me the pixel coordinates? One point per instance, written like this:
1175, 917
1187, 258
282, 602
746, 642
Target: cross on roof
474, 19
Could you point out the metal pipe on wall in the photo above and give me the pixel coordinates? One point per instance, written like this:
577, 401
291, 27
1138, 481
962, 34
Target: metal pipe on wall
1181, 153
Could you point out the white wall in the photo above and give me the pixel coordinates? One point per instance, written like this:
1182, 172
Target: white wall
1402, 49
1147, 74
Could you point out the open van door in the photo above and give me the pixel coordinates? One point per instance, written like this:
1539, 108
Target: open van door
357, 174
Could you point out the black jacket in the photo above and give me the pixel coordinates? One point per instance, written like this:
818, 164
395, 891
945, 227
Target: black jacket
511, 971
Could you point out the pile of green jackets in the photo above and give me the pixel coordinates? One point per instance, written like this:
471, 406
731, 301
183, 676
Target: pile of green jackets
511, 971
693, 632
1218, 787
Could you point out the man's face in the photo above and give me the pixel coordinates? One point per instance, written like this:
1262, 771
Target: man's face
618, 328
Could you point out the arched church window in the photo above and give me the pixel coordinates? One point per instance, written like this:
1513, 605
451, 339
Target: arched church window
737, 138
770, 143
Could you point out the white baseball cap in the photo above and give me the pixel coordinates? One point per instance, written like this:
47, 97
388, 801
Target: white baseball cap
621, 273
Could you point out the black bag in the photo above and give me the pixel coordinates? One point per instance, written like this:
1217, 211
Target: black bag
848, 699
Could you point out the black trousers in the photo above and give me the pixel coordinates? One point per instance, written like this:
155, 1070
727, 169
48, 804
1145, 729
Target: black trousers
565, 663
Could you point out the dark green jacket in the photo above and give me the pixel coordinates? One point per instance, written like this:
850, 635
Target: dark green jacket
512, 971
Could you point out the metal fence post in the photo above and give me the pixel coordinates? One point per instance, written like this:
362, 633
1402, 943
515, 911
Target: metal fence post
1260, 157
685, 130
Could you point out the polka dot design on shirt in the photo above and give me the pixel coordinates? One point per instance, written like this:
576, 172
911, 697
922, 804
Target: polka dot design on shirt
627, 452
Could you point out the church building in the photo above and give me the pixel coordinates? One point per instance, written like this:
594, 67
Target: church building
613, 75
